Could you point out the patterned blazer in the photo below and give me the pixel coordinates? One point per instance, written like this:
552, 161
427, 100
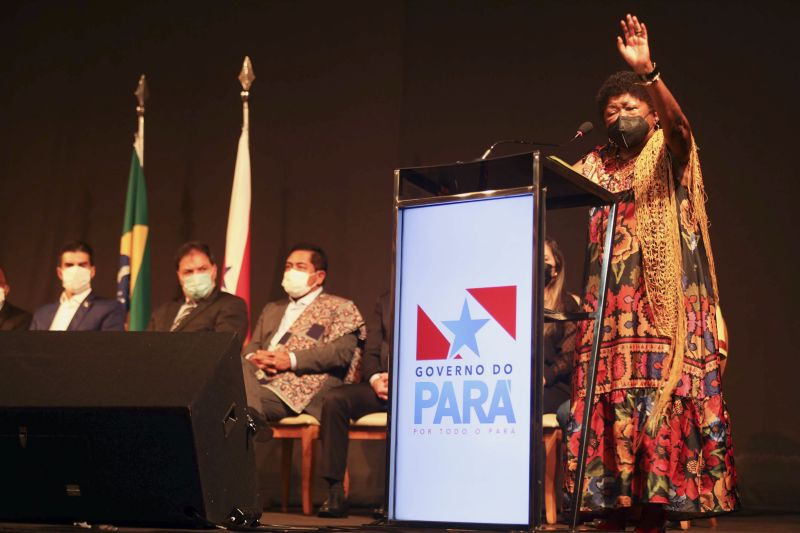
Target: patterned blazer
327, 339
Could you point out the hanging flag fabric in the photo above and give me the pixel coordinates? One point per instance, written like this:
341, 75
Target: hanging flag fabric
236, 277
133, 278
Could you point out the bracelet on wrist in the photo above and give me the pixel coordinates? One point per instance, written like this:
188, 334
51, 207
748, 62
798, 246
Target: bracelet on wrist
652, 76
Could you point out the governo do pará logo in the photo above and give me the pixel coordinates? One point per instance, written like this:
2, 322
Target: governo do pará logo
454, 384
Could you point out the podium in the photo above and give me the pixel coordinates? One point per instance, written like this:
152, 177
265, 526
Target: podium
465, 413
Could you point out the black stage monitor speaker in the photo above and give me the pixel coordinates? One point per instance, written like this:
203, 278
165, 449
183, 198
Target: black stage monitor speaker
123, 429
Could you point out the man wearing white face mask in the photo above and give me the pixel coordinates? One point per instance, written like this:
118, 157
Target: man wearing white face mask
79, 308
202, 306
304, 345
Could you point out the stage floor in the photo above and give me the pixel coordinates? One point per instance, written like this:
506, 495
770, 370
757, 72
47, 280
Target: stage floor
290, 522
737, 523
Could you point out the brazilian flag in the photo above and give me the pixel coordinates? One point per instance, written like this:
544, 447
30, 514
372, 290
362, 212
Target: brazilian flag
133, 278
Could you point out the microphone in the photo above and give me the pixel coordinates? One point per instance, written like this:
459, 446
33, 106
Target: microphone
513, 141
583, 129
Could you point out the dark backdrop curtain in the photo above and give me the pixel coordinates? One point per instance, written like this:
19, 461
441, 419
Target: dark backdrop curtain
348, 91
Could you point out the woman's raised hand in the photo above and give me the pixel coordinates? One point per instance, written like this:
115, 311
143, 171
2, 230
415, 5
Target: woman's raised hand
633, 45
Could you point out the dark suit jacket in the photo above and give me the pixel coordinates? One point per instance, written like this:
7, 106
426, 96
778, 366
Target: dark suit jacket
378, 347
94, 314
220, 312
14, 318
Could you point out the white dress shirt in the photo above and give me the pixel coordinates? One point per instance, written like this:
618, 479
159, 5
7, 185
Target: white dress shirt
293, 311
67, 308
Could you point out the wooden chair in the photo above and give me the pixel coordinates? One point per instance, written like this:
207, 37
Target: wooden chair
552, 437
373, 427
368, 427
305, 428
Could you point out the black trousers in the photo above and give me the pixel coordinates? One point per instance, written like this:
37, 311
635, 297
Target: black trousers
340, 406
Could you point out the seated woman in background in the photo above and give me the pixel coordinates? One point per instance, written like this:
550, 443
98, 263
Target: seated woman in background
559, 337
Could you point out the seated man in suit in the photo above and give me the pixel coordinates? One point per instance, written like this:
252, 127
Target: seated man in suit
352, 402
302, 346
202, 306
79, 308
11, 317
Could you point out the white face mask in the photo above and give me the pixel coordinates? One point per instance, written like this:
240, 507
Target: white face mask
2, 295
198, 286
76, 279
295, 283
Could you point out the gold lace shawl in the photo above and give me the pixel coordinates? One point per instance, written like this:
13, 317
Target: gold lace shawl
659, 234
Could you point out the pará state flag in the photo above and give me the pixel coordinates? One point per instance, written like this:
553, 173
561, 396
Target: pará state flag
236, 277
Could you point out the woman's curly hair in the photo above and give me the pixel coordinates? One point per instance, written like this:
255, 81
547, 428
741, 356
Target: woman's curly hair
622, 82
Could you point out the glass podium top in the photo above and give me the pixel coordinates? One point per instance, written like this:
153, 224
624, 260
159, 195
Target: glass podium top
565, 187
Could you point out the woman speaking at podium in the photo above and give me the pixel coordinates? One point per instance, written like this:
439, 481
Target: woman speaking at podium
659, 437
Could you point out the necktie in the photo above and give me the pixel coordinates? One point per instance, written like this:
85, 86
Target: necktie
182, 314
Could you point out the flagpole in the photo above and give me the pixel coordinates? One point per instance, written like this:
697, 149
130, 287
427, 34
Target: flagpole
141, 96
236, 273
133, 277
246, 78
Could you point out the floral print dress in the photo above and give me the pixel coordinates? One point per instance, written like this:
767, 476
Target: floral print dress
687, 465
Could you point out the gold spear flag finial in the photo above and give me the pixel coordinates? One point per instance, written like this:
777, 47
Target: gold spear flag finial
246, 77
142, 94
